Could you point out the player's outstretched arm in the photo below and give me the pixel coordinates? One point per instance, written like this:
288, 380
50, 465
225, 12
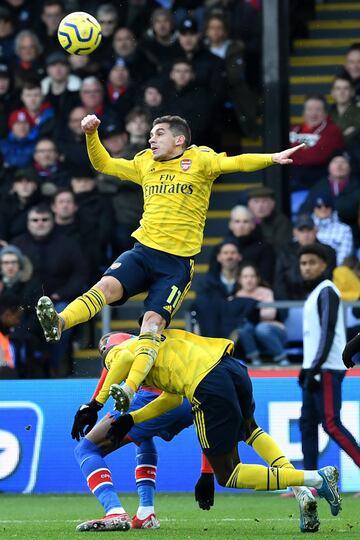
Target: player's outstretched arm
253, 162
284, 157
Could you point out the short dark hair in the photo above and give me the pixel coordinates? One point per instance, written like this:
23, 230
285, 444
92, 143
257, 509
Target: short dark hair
314, 249
343, 77
41, 208
60, 191
178, 126
353, 47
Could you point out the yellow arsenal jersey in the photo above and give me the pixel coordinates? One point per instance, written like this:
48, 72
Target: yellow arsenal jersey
176, 192
184, 359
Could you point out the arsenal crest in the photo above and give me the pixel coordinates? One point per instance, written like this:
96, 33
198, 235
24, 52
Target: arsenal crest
185, 164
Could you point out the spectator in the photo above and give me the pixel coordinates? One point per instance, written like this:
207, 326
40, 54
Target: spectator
60, 86
28, 65
16, 278
216, 288
39, 112
49, 168
331, 230
114, 139
58, 265
14, 208
275, 226
18, 147
347, 279
126, 197
120, 90
6, 99
52, 11
322, 137
232, 53
22, 12
65, 210
96, 219
108, 17
344, 112
288, 283
71, 141
137, 125
10, 316
352, 68
209, 68
93, 100
249, 239
244, 23
184, 9
268, 335
83, 66
160, 45
126, 50
152, 99
183, 97
6, 35
136, 14
340, 184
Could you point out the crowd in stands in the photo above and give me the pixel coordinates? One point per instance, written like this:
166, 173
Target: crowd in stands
61, 223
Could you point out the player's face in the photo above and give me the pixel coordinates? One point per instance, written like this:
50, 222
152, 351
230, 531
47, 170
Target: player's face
311, 266
164, 144
248, 279
241, 224
352, 64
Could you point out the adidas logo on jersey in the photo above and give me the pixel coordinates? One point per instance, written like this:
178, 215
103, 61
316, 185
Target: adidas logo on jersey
168, 308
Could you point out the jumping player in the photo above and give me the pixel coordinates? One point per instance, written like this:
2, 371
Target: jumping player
176, 180
91, 450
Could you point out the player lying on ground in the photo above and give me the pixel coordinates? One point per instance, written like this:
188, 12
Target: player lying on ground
176, 180
220, 392
90, 451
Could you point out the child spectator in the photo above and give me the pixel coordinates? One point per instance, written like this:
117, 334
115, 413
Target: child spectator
18, 147
39, 112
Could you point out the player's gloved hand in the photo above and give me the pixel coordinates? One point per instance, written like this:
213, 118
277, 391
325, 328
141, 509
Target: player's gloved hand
122, 395
120, 428
312, 381
351, 348
86, 415
302, 377
204, 491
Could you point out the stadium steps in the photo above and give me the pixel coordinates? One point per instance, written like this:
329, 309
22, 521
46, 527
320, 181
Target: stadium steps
316, 60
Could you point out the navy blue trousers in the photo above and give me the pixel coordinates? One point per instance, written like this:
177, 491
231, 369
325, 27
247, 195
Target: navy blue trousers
323, 407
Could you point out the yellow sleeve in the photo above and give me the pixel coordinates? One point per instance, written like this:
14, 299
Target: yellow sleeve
101, 161
118, 362
244, 162
165, 402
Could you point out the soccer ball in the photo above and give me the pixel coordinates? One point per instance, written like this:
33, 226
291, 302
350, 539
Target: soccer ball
79, 33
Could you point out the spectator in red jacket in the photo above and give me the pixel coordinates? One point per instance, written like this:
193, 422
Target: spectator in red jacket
323, 139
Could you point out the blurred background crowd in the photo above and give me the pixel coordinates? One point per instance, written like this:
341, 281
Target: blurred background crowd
61, 223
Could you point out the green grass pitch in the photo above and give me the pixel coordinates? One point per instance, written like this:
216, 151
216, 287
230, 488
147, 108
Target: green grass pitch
240, 516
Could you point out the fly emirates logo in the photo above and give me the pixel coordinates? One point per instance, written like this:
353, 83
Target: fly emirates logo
167, 184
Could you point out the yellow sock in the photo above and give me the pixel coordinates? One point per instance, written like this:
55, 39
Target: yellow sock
268, 449
83, 308
264, 478
145, 355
